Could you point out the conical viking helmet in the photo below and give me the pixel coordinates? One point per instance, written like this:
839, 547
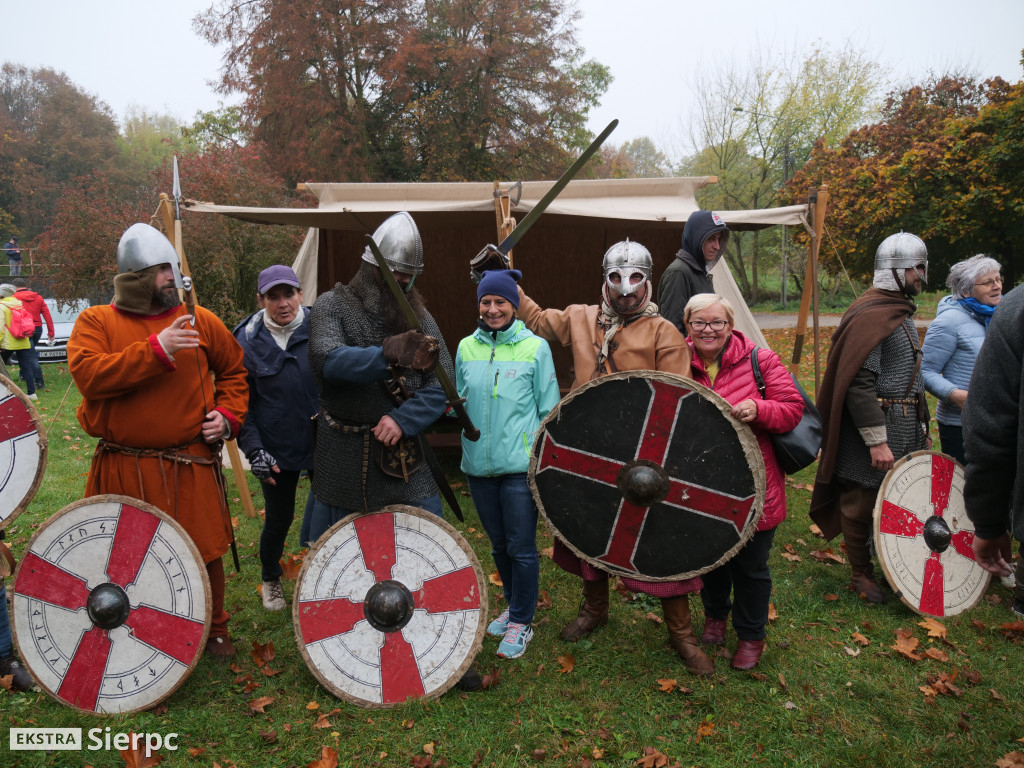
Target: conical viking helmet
400, 244
902, 251
144, 246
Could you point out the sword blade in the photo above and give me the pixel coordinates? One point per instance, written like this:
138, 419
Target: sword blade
542, 204
176, 190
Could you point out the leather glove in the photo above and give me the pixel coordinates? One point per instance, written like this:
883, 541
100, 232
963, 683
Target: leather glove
489, 258
260, 462
412, 349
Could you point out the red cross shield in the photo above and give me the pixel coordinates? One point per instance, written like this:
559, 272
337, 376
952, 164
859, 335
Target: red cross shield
111, 605
646, 475
22, 451
924, 538
389, 606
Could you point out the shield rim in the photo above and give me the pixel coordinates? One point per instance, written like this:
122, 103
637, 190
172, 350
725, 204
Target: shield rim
748, 441
329, 685
876, 523
193, 550
37, 420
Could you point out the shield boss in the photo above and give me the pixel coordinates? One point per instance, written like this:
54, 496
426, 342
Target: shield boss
390, 605
924, 537
646, 475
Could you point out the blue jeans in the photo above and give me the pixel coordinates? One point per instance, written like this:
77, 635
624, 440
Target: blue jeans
37, 368
24, 356
509, 516
320, 516
6, 641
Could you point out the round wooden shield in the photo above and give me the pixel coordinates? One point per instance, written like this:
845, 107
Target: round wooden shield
390, 605
111, 605
645, 474
924, 538
22, 451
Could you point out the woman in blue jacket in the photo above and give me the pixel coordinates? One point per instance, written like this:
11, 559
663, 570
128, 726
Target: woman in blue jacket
508, 379
954, 339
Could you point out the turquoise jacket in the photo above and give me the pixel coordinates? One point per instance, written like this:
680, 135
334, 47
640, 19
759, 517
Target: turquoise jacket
508, 380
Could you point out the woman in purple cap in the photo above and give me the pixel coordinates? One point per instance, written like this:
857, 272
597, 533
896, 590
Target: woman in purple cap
277, 436
507, 376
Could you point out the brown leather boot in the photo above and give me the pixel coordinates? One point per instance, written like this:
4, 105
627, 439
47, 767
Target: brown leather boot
681, 637
864, 584
593, 612
748, 654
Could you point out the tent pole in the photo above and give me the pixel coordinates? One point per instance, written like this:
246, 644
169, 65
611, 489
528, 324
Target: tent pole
819, 229
805, 297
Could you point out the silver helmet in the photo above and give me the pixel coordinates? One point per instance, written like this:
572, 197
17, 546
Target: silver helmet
400, 244
621, 262
143, 246
903, 251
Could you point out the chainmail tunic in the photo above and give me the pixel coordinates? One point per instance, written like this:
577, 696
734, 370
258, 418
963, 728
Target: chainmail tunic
349, 315
893, 362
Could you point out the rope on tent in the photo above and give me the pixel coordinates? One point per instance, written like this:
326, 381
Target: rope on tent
840, 260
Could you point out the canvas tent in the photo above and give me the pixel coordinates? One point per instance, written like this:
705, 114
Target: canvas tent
560, 256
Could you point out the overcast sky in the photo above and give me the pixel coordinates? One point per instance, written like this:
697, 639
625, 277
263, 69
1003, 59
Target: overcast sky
143, 53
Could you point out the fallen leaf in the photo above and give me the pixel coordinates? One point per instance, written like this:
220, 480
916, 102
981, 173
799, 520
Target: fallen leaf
268, 736
789, 705
824, 555
654, 619
408, 723
995, 694
792, 557
831, 598
935, 629
495, 579
1013, 626
136, 757
772, 613
653, 758
312, 705
328, 759
597, 753
290, 567
428, 748
906, 643
816, 531
322, 722
978, 624
937, 654
196, 751
236, 669
421, 761
1011, 760
859, 639
539, 754
234, 522
490, 679
667, 685
262, 653
540, 668
251, 686
544, 601
851, 651
259, 705
567, 663
270, 672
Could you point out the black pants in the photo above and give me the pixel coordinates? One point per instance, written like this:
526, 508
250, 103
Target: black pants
747, 578
279, 501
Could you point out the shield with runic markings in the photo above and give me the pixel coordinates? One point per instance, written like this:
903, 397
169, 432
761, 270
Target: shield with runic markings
924, 538
22, 451
389, 606
647, 475
111, 605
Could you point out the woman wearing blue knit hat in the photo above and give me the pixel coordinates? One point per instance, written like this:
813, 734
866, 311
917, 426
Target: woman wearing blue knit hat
507, 376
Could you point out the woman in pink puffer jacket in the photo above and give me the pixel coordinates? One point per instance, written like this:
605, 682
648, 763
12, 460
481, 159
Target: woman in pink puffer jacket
721, 361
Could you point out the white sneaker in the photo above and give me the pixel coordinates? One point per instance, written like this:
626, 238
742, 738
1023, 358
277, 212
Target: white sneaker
32, 396
498, 627
273, 596
1008, 581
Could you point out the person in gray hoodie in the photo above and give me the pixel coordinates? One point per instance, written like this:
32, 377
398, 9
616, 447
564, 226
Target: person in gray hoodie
704, 239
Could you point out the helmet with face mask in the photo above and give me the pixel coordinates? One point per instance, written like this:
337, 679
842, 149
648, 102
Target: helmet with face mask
622, 263
143, 246
900, 252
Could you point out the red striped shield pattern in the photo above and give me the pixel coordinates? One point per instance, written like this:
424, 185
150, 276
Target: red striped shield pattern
22, 451
646, 475
389, 606
111, 605
924, 537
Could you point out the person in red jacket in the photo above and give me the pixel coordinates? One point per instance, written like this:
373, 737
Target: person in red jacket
721, 360
36, 305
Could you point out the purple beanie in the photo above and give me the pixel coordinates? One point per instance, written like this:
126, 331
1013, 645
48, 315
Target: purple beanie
500, 282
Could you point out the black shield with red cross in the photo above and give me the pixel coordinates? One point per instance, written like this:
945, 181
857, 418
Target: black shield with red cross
646, 475
22, 451
924, 538
389, 606
111, 605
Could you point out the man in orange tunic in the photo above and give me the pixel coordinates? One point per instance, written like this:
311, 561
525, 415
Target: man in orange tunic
144, 373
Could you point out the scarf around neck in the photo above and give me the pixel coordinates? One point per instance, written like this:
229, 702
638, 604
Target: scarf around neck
980, 312
611, 321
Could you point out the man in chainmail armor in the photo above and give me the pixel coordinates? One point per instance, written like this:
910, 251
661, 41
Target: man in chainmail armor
872, 403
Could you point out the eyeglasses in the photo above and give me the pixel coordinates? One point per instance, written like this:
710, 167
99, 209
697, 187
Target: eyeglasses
990, 283
715, 325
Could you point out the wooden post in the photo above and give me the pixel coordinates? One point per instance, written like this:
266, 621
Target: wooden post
172, 228
503, 215
819, 229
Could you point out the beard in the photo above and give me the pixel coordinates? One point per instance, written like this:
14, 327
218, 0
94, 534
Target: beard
166, 298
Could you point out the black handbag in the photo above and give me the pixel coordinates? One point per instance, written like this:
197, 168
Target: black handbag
799, 447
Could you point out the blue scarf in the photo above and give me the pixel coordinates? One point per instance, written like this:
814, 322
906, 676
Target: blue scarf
981, 312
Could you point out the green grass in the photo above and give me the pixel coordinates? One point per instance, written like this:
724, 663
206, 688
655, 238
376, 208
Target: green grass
810, 703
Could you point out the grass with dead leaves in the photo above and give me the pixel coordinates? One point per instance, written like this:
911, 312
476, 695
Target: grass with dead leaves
841, 683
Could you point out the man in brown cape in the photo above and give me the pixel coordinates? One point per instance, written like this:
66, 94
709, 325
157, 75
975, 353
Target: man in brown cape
872, 403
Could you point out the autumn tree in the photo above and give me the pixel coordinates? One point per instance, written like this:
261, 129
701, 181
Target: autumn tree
53, 134
944, 162
753, 128
389, 90
636, 158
